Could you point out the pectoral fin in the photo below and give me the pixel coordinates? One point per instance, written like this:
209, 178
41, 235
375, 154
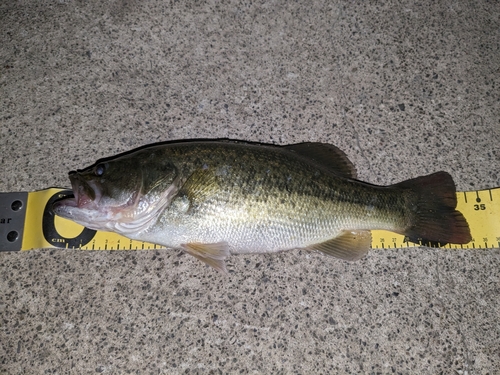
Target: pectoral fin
350, 245
212, 254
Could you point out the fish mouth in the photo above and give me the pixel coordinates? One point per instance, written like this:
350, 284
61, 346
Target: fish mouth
86, 195
89, 208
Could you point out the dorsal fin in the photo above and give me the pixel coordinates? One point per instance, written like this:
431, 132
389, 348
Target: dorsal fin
326, 155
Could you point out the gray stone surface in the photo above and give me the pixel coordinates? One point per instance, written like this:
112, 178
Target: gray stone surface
405, 88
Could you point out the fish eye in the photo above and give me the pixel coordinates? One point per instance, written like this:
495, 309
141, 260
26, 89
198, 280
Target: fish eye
99, 170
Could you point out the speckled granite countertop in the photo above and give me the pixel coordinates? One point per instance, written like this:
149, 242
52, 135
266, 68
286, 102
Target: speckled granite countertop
404, 88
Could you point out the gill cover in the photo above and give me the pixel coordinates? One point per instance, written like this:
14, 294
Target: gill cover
124, 194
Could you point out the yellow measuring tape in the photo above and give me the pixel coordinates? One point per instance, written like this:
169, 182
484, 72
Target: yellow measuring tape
27, 222
481, 208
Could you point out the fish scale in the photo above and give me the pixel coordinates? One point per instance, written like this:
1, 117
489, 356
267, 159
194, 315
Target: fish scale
258, 172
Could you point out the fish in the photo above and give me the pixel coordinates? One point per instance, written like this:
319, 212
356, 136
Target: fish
215, 198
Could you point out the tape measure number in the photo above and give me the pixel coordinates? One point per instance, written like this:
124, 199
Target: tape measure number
481, 208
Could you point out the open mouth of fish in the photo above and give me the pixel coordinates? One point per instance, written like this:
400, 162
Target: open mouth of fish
83, 207
87, 207
86, 195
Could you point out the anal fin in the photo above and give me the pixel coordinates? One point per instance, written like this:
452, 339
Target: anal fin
349, 245
213, 254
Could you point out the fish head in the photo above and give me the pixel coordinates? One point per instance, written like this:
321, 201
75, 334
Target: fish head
123, 195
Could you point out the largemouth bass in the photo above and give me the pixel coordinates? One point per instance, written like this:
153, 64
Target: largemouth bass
216, 198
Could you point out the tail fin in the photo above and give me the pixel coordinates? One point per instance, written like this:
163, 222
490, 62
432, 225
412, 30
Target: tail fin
435, 220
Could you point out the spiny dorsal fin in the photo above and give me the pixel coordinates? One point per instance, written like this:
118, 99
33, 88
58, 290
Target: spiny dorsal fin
326, 155
212, 254
350, 245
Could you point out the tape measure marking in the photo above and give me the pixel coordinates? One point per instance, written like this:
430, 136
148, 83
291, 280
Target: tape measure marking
481, 208
27, 222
